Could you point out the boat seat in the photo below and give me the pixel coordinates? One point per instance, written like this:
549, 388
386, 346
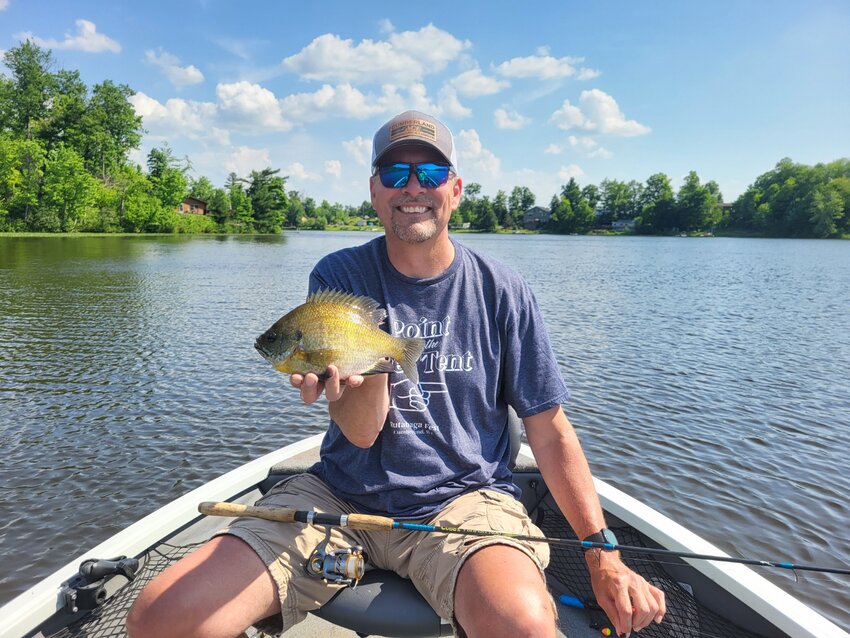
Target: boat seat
385, 604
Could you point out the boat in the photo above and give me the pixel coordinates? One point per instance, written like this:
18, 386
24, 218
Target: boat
90, 596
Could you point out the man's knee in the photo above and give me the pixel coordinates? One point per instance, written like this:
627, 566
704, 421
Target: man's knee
527, 612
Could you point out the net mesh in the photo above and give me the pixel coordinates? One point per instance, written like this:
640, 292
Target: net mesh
685, 617
108, 619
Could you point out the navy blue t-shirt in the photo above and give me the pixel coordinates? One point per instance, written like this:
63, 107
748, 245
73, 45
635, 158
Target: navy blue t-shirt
486, 347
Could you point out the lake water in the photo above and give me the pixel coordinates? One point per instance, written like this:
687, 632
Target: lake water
710, 379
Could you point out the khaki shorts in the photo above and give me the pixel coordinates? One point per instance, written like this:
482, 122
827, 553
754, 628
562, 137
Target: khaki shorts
431, 560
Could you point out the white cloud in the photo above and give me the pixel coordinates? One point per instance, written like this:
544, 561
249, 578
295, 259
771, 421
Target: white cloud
570, 116
402, 58
297, 170
339, 101
449, 104
360, 149
385, 26
169, 64
4, 4
86, 39
477, 164
588, 74
553, 149
333, 167
251, 107
598, 112
245, 159
543, 67
573, 170
512, 120
178, 117
474, 83
589, 146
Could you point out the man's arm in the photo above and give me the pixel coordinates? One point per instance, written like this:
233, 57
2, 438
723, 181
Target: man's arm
359, 406
630, 602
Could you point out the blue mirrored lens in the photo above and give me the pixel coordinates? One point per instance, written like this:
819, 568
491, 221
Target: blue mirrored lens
429, 175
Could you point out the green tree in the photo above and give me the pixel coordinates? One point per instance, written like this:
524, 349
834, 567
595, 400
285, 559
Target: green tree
69, 191
519, 201
62, 121
112, 128
242, 212
30, 89
466, 210
485, 216
572, 191
220, 206
827, 208
500, 209
267, 192
616, 201
167, 175
656, 205
201, 188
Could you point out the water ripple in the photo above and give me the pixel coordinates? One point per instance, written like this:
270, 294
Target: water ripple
709, 379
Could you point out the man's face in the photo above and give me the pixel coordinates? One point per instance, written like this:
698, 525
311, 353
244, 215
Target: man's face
412, 213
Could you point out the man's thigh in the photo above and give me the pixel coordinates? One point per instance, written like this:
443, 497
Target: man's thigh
436, 559
217, 590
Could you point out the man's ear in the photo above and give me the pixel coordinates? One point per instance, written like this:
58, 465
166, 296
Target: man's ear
457, 190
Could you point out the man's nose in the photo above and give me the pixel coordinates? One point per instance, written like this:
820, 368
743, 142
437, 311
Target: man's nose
413, 185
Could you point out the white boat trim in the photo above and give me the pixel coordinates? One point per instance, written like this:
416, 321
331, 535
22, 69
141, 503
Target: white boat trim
37, 604
790, 615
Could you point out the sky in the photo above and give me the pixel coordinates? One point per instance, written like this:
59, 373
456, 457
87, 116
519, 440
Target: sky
535, 93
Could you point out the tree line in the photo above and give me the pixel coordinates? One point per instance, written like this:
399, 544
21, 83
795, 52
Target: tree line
65, 167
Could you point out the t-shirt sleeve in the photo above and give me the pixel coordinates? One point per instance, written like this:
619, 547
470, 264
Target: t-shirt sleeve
533, 381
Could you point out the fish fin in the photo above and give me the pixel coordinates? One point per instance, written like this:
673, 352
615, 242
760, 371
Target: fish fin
381, 366
411, 351
366, 307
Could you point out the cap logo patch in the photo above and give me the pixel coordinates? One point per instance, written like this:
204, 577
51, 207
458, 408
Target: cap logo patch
413, 128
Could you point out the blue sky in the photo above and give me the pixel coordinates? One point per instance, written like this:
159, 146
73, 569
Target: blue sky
534, 92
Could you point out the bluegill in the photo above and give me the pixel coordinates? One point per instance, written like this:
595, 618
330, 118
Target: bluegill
337, 328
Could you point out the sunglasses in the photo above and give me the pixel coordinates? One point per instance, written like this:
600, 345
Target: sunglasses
429, 175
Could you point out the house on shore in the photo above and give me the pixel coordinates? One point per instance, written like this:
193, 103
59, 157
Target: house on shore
193, 206
536, 217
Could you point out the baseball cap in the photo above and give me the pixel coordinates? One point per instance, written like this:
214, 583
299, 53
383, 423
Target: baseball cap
414, 127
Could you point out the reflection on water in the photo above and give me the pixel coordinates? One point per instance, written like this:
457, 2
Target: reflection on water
709, 378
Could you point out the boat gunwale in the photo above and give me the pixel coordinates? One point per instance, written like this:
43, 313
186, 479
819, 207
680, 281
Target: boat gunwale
34, 606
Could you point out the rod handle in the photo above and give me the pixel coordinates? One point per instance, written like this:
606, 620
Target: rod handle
280, 514
364, 522
370, 523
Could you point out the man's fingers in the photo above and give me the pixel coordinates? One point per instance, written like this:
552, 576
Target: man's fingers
333, 385
661, 601
311, 388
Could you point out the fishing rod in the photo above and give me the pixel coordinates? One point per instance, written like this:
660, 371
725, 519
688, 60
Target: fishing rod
370, 523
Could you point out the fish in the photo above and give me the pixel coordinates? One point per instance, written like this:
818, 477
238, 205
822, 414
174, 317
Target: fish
338, 328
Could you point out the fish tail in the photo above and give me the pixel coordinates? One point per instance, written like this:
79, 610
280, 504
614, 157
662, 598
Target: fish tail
411, 351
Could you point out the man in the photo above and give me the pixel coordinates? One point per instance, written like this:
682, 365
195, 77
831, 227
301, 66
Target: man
436, 452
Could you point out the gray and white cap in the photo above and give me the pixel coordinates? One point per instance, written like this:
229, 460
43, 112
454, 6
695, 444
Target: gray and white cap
414, 127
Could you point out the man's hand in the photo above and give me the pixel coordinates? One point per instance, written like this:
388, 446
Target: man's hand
630, 602
333, 387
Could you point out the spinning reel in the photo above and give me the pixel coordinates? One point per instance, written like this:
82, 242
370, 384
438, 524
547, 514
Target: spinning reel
344, 566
